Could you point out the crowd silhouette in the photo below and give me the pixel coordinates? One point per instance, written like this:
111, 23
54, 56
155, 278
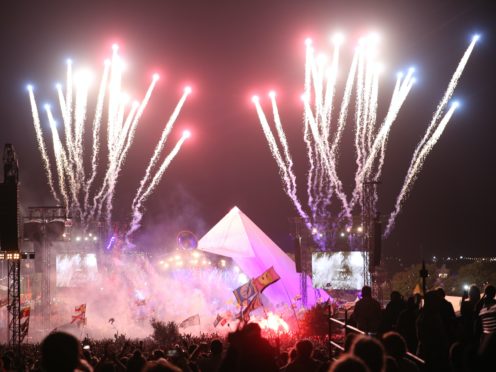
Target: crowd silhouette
426, 327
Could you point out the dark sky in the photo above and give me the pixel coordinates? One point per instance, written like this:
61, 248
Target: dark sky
229, 50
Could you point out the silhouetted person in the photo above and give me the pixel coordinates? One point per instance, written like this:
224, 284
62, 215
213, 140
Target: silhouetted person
249, 351
487, 313
349, 363
392, 311
367, 313
60, 352
468, 313
213, 361
447, 314
370, 351
303, 361
407, 323
136, 362
433, 342
395, 346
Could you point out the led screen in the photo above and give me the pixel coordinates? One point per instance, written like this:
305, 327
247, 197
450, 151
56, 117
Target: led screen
338, 270
75, 270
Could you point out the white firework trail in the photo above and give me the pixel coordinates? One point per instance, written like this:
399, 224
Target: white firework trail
283, 171
97, 121
137, 212
70, 157
57, 149
322, 137
41, 143
447, 96
120, 158
415, 168
161, 143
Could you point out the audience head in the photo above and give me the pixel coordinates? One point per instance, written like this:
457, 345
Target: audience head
490, 292
161, 365
349, 363
441, 293
366, 292
395, 344
60, 352
216, 347
474, 293
304, 349
395, 296
370, 351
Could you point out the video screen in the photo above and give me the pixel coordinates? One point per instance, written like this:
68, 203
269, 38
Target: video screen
339, 270
75, 270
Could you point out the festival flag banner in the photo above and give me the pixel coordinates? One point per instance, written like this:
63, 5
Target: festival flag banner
80, 317
25, 312
244, 293
191, 321
218, 320
269, 277
254, 304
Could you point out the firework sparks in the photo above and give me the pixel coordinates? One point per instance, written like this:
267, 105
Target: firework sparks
86, 200
322, 132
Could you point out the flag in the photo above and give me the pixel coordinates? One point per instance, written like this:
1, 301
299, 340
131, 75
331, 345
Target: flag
80, 317
25, 312
267, 278
255, 303
217, 320
191, 321
244, 293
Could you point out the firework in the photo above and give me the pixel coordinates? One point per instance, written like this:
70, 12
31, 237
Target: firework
323, 130
88, 195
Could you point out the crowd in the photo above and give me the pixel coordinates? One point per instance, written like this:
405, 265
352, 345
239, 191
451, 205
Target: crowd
425, 327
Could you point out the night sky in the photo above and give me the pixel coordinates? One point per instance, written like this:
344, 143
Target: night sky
229, 50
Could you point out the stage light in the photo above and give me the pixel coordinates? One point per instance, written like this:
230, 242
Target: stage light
115, 47
308, 41
177, 257
314, 230
187, 90
186, 134
58, 86
466, 287
29, 87
156, 77
68, 61
196, 254
272, 94
360, 229
161, 262
255, 99
476, 37
236, 269
78, 238
455, 104
342, 234
223, 263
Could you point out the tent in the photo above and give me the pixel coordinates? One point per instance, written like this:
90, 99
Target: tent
238, 237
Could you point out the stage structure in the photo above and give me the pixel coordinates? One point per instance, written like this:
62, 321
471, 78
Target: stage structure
42, 226
238, 237
10, 245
